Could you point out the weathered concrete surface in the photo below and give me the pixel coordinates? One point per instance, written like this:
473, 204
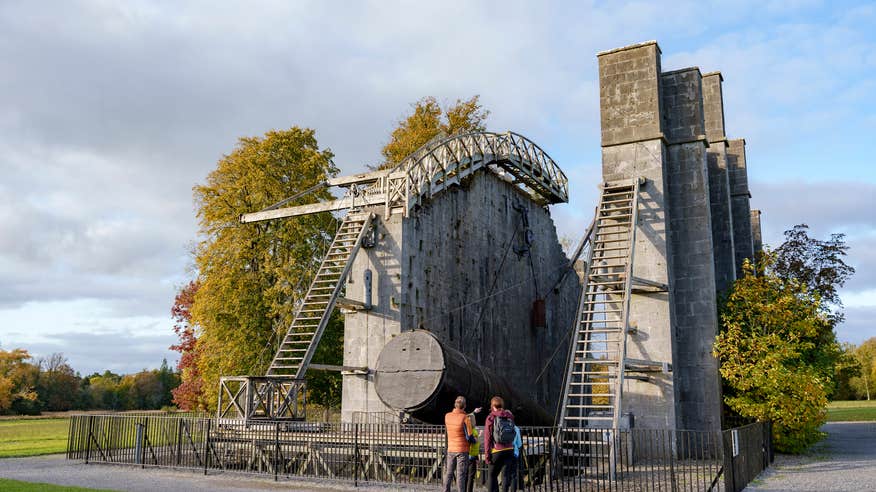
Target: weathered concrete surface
464, 281
633, 147
713, 106
740, 199
366, 332
845, 461
695, 370
719, 182
629, 95
452, 268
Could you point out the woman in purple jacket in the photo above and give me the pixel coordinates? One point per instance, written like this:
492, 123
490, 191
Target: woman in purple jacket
498, 447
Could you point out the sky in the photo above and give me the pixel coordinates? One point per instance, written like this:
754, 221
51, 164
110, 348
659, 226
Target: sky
111, 111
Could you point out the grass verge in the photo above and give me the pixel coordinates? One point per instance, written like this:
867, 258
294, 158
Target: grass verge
32, 437
8, 485
851, 411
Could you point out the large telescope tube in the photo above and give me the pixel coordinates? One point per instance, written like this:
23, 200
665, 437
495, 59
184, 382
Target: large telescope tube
419, 375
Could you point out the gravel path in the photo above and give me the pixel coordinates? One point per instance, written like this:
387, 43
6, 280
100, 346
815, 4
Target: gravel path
845, 461
57, 470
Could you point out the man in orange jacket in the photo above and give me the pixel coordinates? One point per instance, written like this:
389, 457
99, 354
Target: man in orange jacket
459, 437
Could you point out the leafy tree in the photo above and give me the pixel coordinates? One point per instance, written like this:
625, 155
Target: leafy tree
847, 369
251, 276
168, 380
777, 354
58, 385
779, 357
816, 264
189, 394
17, 381
426, 123
324, 387
864, 384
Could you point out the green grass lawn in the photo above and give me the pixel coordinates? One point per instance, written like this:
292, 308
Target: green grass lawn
7, 485
31, 437
849, 411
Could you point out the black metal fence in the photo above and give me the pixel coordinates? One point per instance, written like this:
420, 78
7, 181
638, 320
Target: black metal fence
550, 458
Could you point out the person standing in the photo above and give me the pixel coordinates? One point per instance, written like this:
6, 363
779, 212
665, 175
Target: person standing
459, 437
474, 450
499, 434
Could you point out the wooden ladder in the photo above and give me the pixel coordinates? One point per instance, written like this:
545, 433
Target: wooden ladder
298, 346
593, 388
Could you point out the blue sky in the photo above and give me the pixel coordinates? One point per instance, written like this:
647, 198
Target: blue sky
110, 112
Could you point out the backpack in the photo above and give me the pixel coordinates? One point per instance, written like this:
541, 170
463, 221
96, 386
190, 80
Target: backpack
503, 431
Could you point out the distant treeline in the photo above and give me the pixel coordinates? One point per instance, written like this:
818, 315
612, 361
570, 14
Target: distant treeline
856, 371
28, 386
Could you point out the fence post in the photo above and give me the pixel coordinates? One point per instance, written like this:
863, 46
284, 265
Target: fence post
355, 454
727, 440
207, 447
276, 450
88, 438
138, 444
179, 424
73, 420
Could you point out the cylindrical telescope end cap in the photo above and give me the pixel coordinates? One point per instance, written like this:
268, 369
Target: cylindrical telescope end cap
409, 370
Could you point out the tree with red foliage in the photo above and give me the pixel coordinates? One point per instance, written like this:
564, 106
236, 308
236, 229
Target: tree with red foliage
189, 395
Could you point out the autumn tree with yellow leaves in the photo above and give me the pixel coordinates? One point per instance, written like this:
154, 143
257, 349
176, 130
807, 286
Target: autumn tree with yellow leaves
777, 348
251, 275
428, 121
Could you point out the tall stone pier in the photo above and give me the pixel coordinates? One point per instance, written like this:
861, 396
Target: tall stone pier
633, 146
668, 127
756, 233
692, 273
740, 200
719, 182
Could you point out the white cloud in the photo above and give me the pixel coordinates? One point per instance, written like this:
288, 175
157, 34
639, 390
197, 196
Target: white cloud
110, 112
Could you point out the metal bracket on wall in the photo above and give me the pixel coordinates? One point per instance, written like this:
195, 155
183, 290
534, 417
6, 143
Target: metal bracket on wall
644, 286
356, 372
369, 240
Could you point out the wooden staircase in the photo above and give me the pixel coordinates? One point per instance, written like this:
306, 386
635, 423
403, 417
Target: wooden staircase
300, 342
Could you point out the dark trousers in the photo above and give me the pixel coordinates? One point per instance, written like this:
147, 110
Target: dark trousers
456, 464
472, 472
505, 463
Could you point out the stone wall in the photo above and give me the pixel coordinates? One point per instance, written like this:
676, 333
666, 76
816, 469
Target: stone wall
471, 276
366, 332
461, 267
